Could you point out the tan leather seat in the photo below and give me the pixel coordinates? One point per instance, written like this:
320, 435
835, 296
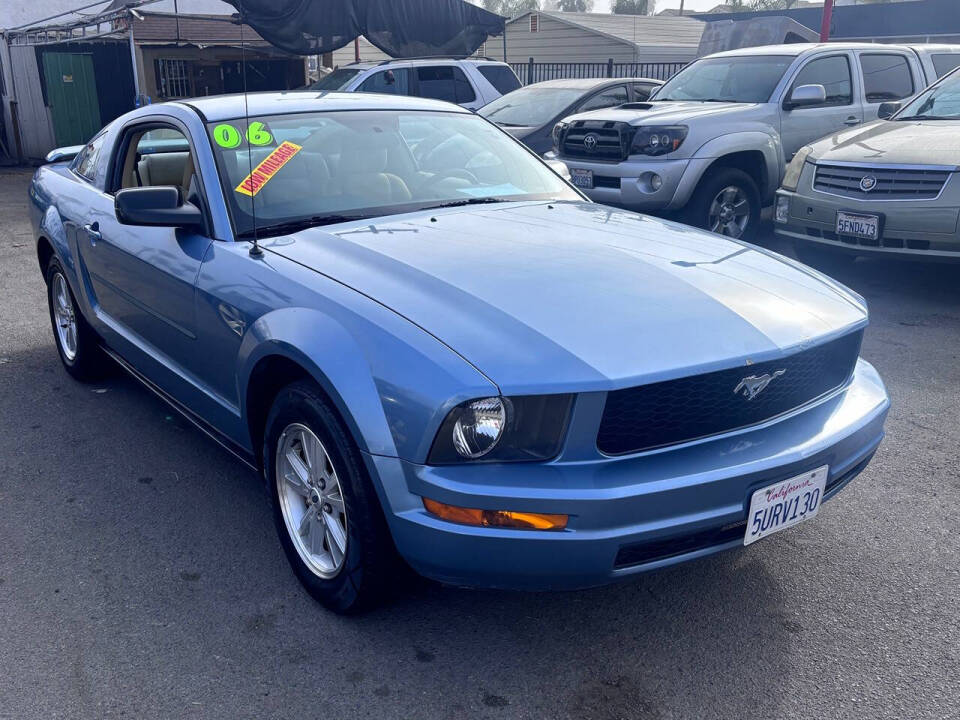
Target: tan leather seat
171, 168
363, 173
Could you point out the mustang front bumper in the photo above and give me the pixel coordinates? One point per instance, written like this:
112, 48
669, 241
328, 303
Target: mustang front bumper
627, 514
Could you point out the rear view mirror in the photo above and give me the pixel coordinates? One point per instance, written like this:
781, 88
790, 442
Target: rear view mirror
888, 109
805, 96
156, 206
61, 154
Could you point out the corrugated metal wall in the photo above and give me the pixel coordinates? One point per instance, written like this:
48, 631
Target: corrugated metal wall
36, 126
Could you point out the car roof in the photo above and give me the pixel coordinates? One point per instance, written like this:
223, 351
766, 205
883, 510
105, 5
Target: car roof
439, 60
797, 49
590, 83
225, 107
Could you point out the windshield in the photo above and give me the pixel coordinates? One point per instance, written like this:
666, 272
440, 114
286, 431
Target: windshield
530, 106
337, 80
941, 102
743, 79
318, 167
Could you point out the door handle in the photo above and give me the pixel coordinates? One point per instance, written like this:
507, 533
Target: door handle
852, 120
93, 232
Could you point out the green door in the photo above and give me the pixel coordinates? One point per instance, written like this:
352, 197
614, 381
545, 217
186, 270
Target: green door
72, 96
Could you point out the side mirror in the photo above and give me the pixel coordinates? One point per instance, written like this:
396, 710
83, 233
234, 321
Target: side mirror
888, 109
63, 153
156, 206
805, 96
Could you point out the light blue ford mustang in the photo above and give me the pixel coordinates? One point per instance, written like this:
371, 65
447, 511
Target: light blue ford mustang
438, 352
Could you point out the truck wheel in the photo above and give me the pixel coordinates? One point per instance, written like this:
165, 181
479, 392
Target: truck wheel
77, 343
726, 202
325, 508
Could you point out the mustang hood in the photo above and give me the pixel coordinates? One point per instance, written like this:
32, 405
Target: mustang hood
578, 296
907, 142
645, 113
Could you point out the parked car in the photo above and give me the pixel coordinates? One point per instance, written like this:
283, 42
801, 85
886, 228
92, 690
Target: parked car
471, 82
889, 188
715, 140
530, 113
433, 347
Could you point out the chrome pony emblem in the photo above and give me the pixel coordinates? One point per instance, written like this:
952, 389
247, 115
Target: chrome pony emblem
753, 385
590, 142
868, 183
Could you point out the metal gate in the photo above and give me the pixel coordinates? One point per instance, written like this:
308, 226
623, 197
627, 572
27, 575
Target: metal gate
71, 96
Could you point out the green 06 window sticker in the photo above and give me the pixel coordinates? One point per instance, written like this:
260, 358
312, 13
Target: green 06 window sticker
228, 136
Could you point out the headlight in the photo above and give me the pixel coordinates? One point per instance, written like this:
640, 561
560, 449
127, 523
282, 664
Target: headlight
791, 178
557, 134
500, 429
658, 140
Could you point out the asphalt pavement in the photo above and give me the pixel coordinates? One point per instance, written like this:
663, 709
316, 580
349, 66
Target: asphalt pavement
140, 576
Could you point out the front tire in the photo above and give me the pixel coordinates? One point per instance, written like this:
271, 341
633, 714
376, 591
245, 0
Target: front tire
325, 508
77, 343
726, 202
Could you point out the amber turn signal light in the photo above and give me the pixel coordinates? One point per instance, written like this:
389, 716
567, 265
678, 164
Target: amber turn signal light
496, 518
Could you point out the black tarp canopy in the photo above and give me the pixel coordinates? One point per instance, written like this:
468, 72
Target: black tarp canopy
401, 28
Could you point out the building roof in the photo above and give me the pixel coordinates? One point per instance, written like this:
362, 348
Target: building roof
642, 30
193, 29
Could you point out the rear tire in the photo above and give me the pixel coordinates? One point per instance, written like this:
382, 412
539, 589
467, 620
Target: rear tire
77, 343
726, 202
325, 509
825, 259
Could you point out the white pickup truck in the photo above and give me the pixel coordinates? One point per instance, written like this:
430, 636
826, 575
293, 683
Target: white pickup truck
714, 141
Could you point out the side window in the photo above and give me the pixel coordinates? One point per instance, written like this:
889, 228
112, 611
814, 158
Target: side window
642, 91
85, 163
392, 82
610, 97
945, 63
885, 77
444, 82
501, 77
156, 156
833, 73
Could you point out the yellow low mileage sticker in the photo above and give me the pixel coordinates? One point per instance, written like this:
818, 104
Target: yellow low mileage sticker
264, 172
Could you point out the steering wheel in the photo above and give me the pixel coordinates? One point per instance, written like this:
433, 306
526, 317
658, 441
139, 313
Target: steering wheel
455, 173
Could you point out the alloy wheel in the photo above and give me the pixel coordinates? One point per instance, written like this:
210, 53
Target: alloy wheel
729, 212
311, 500
65, 317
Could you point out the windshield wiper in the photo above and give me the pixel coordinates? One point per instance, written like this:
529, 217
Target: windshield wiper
292, 226
928, 117
467, 201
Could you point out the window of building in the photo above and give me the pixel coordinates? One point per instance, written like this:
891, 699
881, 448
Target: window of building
534, 22
173, 78
885, 77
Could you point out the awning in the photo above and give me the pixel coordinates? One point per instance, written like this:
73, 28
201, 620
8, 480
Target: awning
401, 28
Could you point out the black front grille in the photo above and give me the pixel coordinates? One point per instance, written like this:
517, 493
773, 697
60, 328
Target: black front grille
888, 183
664, 548
676, 411
609, 140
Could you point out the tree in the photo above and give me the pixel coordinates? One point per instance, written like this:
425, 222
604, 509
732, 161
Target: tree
509, 8
632, 7
574, 5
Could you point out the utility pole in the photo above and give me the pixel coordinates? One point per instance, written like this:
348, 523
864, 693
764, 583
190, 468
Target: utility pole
827, 16
681, 8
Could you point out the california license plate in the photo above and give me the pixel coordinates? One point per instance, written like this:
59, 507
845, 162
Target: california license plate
859, 226
777, 507
582, 178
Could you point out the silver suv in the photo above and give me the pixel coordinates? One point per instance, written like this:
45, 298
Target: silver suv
471, 82
715, 139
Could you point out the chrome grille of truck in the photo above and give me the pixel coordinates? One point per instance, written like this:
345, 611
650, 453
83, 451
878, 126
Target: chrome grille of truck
612, 140
914, 183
